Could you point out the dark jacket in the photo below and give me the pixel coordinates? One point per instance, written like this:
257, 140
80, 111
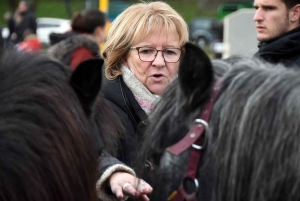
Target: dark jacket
11, 27
285, 48
133, 117
28, 22
1, 39
57, 37
121, 100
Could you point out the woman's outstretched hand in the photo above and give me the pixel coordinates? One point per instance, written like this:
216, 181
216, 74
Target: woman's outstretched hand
123, 184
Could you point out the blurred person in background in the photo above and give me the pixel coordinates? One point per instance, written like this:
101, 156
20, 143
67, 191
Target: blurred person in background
1, 38
82, 42
10, 23
30, 43
24, 19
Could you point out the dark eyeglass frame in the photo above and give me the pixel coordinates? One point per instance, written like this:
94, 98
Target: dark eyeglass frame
162, 52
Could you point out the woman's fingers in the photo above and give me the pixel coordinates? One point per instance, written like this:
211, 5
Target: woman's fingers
143, 187
143, 198
130, 190
123, 184
118, 191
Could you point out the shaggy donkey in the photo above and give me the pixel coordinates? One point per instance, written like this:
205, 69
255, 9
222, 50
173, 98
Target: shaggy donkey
47, 147
253, 147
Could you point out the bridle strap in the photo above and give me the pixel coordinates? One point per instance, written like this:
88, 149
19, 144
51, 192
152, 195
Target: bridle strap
194, 159
196, 138
191, 137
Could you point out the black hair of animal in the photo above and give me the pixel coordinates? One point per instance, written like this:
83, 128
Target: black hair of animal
86, 81
47, 149
195, 75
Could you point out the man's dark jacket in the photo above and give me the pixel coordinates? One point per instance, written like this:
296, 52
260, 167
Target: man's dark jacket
285, 49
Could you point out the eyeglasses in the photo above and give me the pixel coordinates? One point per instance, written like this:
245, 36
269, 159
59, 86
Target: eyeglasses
148, 54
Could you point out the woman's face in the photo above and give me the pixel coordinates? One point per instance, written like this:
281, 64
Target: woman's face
155, 75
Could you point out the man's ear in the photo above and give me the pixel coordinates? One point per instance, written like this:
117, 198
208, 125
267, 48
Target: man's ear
86, 82
295, 13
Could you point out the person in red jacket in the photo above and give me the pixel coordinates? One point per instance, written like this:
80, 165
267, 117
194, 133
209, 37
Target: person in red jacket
82, 43
31, 43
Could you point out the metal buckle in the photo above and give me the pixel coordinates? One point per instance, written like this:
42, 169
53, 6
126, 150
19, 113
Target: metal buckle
190, 185
201, 122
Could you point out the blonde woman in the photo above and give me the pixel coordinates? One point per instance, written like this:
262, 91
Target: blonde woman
142, 54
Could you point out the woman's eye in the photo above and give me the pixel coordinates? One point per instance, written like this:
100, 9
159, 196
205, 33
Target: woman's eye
146, 51
169, 52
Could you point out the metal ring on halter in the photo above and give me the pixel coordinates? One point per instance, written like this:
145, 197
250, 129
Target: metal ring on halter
205, 124
201, 121
190, 185
196, 183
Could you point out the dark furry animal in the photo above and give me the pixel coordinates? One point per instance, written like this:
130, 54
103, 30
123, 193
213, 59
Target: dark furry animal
47, 147
253, 148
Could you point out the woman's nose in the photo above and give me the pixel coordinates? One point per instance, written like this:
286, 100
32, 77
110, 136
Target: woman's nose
159, 59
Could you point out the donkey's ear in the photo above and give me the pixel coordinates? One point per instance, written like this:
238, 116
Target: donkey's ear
86, 82
195, 74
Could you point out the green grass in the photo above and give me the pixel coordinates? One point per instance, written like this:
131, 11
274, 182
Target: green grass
56, 8
190, 9
3, 9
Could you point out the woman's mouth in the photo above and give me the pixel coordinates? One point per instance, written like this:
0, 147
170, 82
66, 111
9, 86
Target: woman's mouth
158, 77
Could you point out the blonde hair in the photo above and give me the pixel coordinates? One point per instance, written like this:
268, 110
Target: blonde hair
133, 25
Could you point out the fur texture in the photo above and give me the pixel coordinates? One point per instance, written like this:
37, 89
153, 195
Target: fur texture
63, 50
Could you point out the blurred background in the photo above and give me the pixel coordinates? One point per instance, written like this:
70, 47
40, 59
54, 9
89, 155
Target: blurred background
213, 24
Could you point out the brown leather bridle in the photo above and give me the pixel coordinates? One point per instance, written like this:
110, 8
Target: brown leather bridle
196, 138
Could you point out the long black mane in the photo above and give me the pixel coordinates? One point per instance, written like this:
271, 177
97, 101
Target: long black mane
253, 148
47, 151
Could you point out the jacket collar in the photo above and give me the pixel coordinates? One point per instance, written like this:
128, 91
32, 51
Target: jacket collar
117, 92
287, 43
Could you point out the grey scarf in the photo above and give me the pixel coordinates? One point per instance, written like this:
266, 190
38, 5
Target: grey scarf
142, 95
